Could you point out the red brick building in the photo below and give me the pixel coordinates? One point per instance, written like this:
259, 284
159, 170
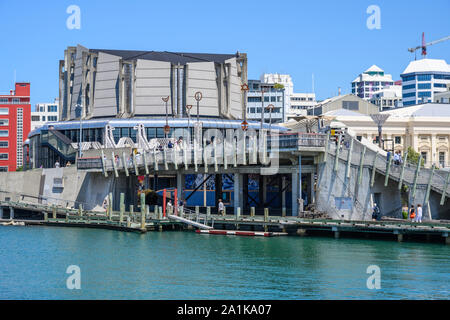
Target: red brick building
15, 122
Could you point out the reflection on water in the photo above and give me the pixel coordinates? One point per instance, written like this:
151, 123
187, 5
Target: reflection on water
185, 265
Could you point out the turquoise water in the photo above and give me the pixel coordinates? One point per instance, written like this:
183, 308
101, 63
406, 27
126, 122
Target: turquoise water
185, 265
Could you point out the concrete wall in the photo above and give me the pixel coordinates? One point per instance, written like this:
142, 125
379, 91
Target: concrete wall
201, 76
333, 187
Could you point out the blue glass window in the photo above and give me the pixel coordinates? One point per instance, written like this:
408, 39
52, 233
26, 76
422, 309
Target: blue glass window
424, 77
424, 86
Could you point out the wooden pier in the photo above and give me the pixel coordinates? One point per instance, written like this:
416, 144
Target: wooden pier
143, 221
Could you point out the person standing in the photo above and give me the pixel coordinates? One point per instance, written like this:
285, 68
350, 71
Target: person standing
419, 213
220, 207
169, 207
412, 213
376, 212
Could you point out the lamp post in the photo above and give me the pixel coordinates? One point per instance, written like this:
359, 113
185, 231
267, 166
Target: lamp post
244, 124
166, 127
270, 107
380, 119
80, 107
198, 96
188, 108
262, 107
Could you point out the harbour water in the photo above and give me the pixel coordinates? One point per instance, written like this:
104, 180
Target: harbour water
185, 265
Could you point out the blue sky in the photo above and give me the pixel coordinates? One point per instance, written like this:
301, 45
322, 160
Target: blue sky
327, 38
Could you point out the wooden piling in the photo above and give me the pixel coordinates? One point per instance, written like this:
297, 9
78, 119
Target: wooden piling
252, 211
122, 207
143, 226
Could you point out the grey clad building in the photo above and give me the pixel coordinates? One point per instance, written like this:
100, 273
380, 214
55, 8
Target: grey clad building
126, 84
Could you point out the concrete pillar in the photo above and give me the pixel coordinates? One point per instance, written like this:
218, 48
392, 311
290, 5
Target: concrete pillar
266, 214
252, 211
180, 186
1, 212
400, 237
283, 192
336, 234
45, 216
434, 156
295, 193
80, 210
132, 211
11, 213
238, 213
312, 198
238, 188
54, 212
283, 212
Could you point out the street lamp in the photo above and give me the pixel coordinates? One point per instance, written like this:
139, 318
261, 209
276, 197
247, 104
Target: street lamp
198, 96
166, 127
262, 108
270, 107
80, 107
380, 119
244, 124
188, 108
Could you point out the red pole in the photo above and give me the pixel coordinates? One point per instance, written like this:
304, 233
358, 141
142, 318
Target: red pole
175, 205
164, 202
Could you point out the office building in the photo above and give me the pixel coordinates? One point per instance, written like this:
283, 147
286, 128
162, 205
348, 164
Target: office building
15, 112
372, 80
422, 79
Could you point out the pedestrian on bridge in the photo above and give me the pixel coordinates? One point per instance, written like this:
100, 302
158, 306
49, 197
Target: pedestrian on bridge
412, 213
419, 213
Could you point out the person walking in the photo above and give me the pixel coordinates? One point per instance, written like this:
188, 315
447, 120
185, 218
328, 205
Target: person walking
220, 207
376, 212
169, 207
419, 213
412, 213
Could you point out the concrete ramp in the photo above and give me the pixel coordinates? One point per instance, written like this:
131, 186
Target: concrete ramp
190, 222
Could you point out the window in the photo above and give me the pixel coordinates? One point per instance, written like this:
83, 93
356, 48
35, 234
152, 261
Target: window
3, 156
440, 85
409, 86
3, 169
3, 100
358, 138
4, 133
52, 118
16, 100
424, 86
350, 105
424, 94
35, 118
410, 94
52, 108
398, 140
3, 144
4, 122
424, 156
254, 99
43, 118
424, 77
442, 76
4, 111
442, 159
408, 78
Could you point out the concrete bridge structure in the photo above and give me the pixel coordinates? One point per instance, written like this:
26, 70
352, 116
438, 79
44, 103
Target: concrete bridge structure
342, 176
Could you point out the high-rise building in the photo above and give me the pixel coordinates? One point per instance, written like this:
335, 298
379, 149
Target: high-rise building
422, 79
44, 112
372, 80
15, 112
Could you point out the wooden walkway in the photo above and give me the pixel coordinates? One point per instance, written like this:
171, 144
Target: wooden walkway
144, 221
